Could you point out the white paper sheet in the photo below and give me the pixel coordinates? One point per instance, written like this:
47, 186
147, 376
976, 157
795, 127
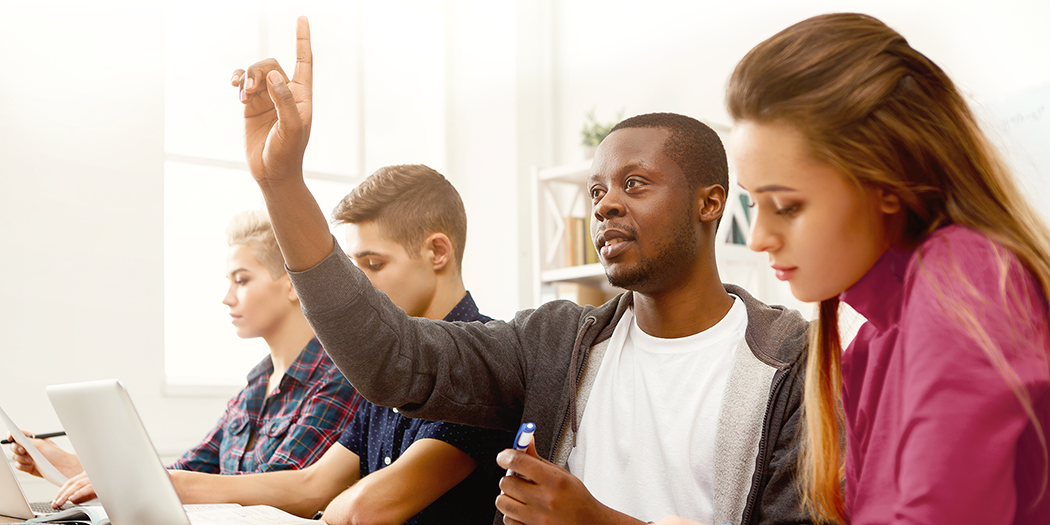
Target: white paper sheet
45, 467
253, 515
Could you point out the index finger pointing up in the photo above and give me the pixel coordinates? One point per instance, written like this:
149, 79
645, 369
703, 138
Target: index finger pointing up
304, 57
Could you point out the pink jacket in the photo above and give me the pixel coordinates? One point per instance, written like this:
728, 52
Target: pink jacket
935, 432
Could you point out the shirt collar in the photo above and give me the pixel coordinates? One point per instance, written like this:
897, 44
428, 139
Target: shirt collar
300, 370
877, 295
466, 311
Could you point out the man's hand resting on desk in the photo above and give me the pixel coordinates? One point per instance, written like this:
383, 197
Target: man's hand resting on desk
66, 462
77, 490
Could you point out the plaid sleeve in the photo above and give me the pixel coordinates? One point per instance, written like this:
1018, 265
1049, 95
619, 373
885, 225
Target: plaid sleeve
322, 415
205, 456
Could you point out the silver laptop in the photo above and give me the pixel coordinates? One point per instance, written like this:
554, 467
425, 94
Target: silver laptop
116, 453
13, 501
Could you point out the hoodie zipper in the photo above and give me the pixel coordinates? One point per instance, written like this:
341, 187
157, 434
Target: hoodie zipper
587, 323
760, 464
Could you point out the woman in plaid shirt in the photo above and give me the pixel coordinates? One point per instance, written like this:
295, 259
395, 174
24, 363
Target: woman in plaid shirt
296, 402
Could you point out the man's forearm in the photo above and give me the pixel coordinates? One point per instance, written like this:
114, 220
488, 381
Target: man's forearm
298, 223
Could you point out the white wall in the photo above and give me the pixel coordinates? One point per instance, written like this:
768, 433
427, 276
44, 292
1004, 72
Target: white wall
81, 193
82, 138
668, 55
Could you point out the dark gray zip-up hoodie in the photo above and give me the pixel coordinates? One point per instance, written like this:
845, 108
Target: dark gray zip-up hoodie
539, 366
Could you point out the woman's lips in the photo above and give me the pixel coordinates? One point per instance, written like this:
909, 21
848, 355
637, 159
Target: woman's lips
784, 273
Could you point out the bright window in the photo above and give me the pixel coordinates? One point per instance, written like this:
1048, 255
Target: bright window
206, 181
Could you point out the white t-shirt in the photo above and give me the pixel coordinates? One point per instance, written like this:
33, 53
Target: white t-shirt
646, 443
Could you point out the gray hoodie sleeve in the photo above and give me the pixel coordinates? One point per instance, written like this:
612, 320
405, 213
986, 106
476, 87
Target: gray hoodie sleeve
470, 373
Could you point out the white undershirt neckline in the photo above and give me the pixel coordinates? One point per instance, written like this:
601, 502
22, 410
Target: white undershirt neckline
646, 442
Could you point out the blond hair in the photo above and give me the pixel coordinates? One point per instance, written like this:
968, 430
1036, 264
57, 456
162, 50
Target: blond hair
885, 116
252, 228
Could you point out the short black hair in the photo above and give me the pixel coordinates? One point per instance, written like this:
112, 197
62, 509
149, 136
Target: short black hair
692, 145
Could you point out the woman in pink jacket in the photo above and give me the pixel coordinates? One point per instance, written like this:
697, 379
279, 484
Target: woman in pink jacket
873, 185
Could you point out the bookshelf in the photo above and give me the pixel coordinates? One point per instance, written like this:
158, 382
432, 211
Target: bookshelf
565, 265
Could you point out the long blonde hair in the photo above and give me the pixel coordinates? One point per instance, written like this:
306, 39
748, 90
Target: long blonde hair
885, 116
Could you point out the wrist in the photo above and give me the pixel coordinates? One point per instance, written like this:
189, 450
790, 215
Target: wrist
282, 181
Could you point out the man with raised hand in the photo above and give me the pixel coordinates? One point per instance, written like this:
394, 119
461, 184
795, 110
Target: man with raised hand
681, 396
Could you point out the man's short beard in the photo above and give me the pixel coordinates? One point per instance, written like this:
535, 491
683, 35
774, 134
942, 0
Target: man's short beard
678, 251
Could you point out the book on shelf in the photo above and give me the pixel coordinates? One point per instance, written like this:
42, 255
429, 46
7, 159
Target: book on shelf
581, 294
579, 248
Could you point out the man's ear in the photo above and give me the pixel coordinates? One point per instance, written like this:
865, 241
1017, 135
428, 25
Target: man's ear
711, 202
439, 251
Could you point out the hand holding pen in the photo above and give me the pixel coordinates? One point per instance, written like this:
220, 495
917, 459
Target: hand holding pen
523, 440
542, 492
67, 463
46, 435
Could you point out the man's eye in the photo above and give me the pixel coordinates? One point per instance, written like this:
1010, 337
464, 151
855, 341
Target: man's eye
375, 267
632, 183
596, 193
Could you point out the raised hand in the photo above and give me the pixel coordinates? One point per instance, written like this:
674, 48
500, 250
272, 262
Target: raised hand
278, 111
277, 116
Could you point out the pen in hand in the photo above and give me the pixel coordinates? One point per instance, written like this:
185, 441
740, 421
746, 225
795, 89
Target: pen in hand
35, 436
523, 439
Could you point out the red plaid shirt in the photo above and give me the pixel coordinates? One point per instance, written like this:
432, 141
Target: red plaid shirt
297, 423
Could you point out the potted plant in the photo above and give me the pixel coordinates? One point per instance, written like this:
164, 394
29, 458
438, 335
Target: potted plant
594, 132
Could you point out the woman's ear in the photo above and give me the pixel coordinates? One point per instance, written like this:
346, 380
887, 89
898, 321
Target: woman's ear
712, 202
292, 295
887, 202
439, 250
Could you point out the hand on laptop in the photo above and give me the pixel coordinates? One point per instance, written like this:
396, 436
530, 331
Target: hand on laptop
77, 490
66, 462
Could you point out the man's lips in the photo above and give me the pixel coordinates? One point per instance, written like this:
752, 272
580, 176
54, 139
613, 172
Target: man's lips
614, 247
612, 242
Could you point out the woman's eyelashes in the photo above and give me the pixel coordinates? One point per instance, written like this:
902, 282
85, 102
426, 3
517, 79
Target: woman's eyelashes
788, 209
784, 209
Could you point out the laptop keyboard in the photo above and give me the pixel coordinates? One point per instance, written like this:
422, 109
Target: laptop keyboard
44, 507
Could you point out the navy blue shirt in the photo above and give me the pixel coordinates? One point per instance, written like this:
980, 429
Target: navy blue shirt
379, 435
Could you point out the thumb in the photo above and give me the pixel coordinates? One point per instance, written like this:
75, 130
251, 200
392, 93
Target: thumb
532, 449
288, 118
